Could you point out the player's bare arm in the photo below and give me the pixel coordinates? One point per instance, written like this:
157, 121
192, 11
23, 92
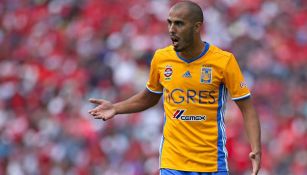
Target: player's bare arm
139, 102
252, 126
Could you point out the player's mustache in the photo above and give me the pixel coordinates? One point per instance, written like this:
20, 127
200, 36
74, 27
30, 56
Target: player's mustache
174, 38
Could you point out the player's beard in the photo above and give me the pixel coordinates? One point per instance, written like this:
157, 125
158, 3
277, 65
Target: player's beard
184, 42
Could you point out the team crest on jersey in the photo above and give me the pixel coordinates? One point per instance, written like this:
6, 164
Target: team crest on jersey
179, 115
206, 75
168, 72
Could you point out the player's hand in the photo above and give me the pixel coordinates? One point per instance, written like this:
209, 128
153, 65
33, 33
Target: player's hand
256, 159
105, 110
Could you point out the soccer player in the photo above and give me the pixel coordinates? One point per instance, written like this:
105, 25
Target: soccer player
194, 78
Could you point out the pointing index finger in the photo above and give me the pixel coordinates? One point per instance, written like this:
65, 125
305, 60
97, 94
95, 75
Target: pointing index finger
96, 101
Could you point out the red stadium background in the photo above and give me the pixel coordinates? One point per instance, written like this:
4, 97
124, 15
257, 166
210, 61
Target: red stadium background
55, 54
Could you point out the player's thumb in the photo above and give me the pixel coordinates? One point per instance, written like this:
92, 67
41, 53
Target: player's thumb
252, 155
96, 101
253, 158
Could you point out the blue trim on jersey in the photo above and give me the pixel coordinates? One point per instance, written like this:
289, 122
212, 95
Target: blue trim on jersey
162, 141
155, 92
221, 143
241, 98
225, 95
165, 171
193, 59
162, 138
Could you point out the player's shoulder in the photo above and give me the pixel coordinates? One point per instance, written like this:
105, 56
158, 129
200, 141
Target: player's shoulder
219, 52
163, 54
168, 50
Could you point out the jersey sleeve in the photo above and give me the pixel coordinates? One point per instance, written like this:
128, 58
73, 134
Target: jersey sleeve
234, 80
153, 83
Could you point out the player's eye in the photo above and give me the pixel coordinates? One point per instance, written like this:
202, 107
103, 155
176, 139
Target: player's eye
179, 23
169, 22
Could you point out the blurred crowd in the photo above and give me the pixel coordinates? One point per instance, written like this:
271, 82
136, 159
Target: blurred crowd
55, 54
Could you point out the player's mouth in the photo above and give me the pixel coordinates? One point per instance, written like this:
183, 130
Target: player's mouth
175, 41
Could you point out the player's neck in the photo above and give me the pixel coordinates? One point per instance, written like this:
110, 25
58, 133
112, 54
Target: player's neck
193, 51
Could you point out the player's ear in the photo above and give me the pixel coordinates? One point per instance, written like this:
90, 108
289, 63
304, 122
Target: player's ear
197, 26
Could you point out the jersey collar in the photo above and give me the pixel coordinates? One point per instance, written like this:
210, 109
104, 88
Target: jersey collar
206, 48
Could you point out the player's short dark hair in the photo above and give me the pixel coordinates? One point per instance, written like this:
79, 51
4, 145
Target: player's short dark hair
195, 10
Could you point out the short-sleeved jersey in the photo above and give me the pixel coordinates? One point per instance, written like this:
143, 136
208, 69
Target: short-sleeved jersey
194, 96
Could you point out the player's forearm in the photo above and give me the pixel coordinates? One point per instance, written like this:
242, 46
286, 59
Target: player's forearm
130, 105
136, 103
251, 122
252, 126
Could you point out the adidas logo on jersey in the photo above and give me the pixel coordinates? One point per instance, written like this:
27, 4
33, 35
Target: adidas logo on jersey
187, 74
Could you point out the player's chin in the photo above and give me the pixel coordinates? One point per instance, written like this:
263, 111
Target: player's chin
178, 49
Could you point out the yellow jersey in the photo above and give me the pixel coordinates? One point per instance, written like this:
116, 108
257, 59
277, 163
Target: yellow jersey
194, 98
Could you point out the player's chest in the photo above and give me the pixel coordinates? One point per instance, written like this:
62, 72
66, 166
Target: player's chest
195, 76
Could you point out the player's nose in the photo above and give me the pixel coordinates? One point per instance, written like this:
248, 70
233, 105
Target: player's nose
171, 29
